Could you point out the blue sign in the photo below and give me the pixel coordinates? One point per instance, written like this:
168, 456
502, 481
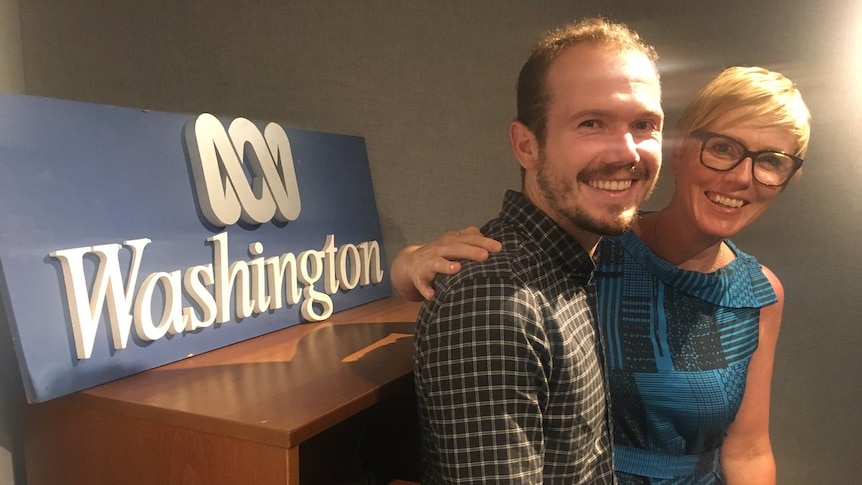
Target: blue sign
131, 238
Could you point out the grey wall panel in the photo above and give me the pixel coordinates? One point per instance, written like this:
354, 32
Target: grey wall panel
431, 87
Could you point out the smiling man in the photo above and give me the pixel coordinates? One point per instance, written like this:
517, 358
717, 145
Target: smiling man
508, 367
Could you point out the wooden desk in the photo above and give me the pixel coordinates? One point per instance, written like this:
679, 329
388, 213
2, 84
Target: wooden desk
233, 416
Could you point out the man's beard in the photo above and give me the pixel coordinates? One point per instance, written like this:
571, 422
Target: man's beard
554, 191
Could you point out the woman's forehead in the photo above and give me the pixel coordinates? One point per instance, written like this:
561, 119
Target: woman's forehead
757, 136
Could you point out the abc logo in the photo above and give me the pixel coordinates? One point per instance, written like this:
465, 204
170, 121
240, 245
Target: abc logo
242, 173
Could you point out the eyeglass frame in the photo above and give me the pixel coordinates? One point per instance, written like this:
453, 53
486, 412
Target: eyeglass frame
705, 135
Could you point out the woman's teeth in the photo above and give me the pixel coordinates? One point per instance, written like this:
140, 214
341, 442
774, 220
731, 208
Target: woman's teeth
727, 201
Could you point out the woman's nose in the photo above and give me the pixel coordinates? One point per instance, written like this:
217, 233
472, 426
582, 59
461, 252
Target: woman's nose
743, 173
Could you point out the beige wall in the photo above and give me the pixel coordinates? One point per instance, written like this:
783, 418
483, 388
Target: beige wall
430, 86
11, 393
11, 62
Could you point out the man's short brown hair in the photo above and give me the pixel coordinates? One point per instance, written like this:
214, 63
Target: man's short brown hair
533, 97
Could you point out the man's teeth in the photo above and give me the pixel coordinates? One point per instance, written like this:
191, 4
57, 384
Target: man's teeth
718, 199
610, 184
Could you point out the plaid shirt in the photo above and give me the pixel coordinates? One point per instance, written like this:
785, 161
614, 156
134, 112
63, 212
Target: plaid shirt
508, 363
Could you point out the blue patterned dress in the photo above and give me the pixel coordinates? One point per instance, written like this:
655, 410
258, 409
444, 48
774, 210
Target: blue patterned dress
678, 345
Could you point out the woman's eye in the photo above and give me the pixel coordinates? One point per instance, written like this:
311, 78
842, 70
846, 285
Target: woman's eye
772, 161
723, 148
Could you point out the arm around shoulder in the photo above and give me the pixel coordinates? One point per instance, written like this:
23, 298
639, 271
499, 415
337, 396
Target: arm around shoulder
415, 267
400, 277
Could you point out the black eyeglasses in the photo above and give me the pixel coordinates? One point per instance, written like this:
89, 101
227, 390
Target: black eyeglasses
723, 153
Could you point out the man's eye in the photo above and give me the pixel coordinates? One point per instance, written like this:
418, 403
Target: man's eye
645, 126
590, 124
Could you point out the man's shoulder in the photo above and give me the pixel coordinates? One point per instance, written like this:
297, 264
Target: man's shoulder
516, 263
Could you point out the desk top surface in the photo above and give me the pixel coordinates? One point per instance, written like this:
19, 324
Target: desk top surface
280, 388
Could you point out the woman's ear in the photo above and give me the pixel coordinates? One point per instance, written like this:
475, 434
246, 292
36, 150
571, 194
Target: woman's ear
525, 146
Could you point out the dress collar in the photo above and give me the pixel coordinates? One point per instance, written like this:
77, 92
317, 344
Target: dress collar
739, 284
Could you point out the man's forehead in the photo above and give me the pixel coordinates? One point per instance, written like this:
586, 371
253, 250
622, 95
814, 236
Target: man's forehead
596, 62
603, 76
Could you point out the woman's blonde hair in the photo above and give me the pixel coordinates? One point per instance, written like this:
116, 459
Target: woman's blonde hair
766, 97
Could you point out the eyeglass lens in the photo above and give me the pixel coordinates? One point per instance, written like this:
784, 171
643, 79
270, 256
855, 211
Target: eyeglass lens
770, 168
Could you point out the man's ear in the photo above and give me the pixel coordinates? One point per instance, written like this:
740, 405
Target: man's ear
525, 146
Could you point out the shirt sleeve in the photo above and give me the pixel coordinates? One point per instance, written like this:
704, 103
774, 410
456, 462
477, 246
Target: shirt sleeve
481, 372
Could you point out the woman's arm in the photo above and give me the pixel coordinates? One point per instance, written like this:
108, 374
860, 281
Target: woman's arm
746, 454
415, 267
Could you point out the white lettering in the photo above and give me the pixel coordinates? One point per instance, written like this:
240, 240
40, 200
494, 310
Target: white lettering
195, 281
277, 268
84, 308
311, 268
172, 317
259, 285
347, 274
371, 271
258, 279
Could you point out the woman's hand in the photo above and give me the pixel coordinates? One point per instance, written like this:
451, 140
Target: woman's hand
415, 267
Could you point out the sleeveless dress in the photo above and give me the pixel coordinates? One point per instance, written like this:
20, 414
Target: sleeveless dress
678, 344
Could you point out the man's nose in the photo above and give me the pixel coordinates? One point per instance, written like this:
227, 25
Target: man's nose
626, 148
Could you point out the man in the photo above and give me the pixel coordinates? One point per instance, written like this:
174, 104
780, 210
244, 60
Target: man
508, 365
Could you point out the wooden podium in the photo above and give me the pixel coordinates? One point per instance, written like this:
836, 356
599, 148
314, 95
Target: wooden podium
248, 413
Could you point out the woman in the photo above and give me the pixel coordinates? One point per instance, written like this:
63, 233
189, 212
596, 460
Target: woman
689, 321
